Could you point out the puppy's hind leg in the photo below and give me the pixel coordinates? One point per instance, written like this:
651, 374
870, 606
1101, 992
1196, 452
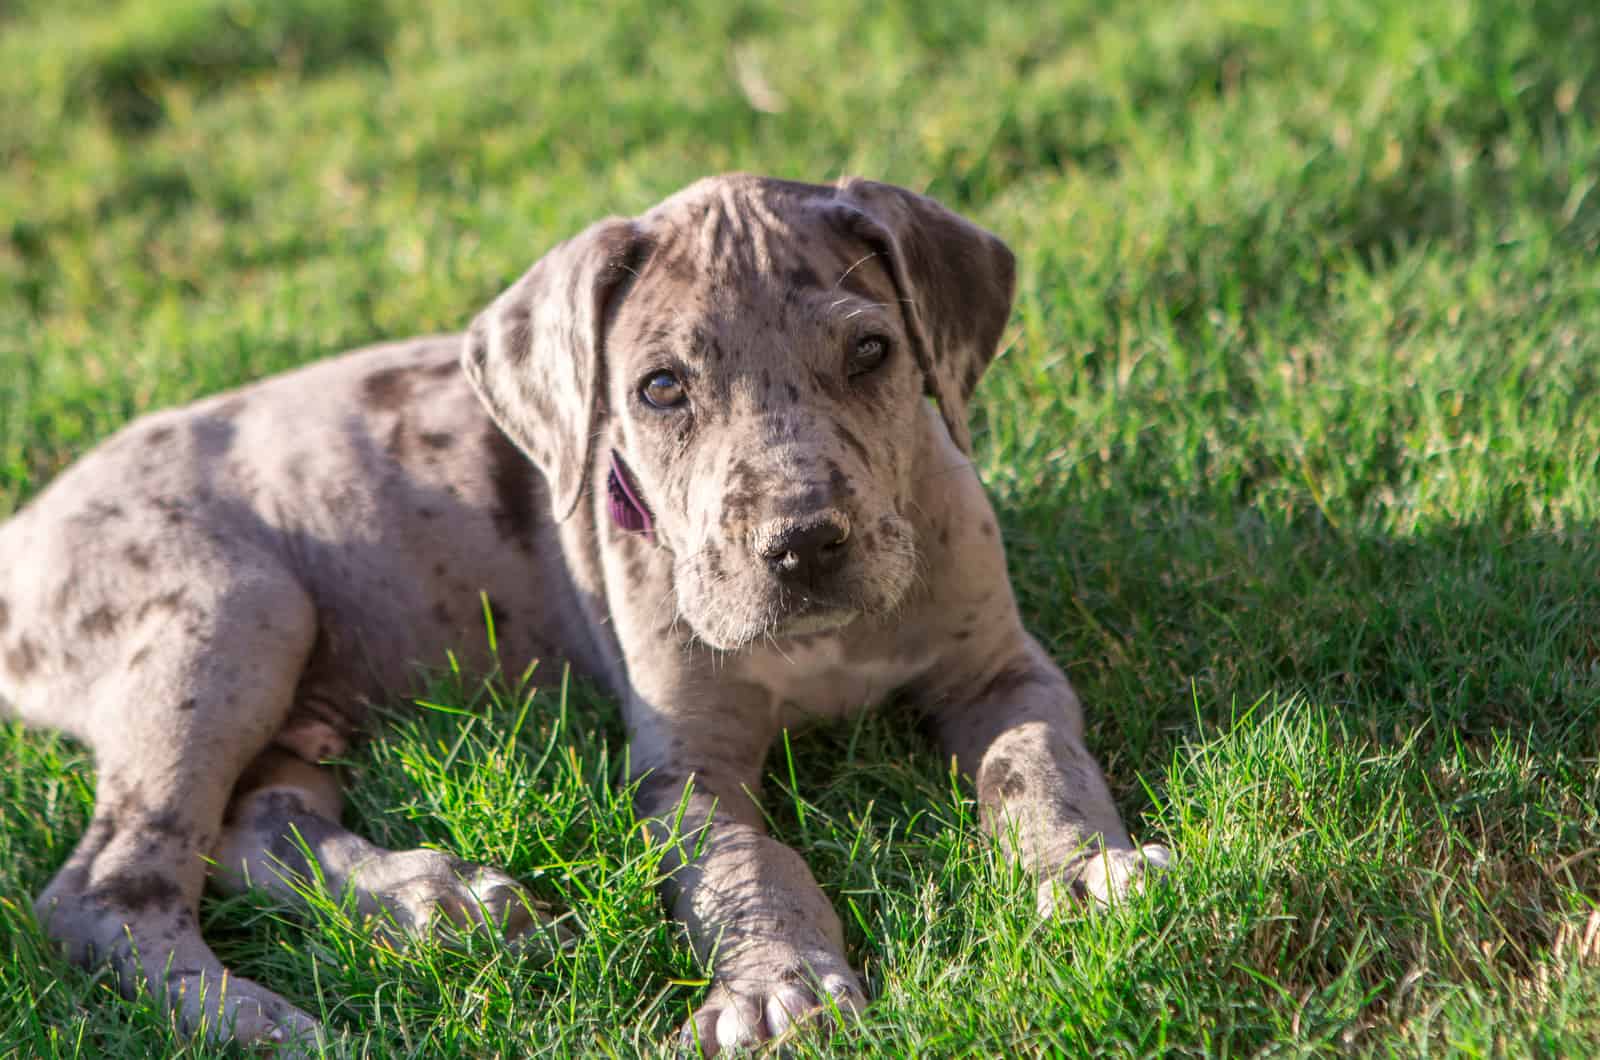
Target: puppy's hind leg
285, 807
207, 678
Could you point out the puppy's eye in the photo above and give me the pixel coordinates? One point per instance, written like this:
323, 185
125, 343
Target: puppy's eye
868, 355
663, 390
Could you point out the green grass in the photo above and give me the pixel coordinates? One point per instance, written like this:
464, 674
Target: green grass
1296, 446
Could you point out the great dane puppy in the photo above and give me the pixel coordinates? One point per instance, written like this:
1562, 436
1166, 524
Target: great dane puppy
692, 454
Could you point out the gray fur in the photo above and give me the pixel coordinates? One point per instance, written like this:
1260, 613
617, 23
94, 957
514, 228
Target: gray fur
212, 597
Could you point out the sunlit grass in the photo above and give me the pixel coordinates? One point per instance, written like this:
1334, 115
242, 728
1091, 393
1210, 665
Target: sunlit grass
1294, 445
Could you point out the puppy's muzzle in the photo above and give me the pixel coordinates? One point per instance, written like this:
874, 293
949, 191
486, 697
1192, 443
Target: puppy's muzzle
803, 553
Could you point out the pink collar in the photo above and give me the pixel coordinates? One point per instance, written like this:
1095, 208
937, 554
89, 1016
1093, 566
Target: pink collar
627, 510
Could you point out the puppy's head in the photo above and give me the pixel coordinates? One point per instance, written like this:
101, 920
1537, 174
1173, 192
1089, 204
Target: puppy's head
760, 352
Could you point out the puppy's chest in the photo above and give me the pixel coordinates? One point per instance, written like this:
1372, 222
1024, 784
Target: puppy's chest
828, 677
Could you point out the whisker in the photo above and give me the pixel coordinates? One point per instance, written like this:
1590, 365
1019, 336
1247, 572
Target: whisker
852, 268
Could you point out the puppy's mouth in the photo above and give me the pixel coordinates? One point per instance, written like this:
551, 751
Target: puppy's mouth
810, 614
731, 602
741, 619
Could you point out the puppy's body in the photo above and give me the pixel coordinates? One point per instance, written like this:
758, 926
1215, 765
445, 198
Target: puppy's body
390, 522
211, 598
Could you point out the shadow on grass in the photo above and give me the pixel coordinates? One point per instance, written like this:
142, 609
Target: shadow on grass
204, 46
1374, 756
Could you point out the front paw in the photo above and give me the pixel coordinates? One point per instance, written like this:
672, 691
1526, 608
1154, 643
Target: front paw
743, 1010
428, 893
1102, 878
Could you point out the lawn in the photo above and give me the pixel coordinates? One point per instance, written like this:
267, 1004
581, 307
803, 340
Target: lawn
1295, 444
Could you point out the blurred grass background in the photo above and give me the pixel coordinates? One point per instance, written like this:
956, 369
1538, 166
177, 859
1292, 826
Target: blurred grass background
1295, 445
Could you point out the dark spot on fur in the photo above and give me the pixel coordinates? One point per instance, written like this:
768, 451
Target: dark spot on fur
285, 817
853, 443
138, 657
659, 791
5, 614
171, 507
961, 634
187, 705
168, 601
969, 382
987, 528
23, 657
140, 891
285, 849
387, 388
398, 441
636, 567
437, 439
1010, 682
501, 620
793, 392
744, 491
230, 409
944, 535
999, 780
159, 436
168, 824
803, 276
100, 622
97, 513
512, 476
336, 499
441, 615
138, 556
517, 320
839, 482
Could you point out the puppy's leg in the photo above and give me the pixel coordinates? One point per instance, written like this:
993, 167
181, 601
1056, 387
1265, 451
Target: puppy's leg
1039, 790
752, 907
208, 678
285, 806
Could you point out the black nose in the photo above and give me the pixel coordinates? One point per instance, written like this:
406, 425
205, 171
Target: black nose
809, 549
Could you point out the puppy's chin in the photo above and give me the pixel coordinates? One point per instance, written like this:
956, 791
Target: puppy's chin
727, 634
729, 609
737, 622
803, 625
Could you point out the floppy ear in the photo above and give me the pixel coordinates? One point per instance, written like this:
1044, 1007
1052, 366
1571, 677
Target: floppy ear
536, 356
955, 283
